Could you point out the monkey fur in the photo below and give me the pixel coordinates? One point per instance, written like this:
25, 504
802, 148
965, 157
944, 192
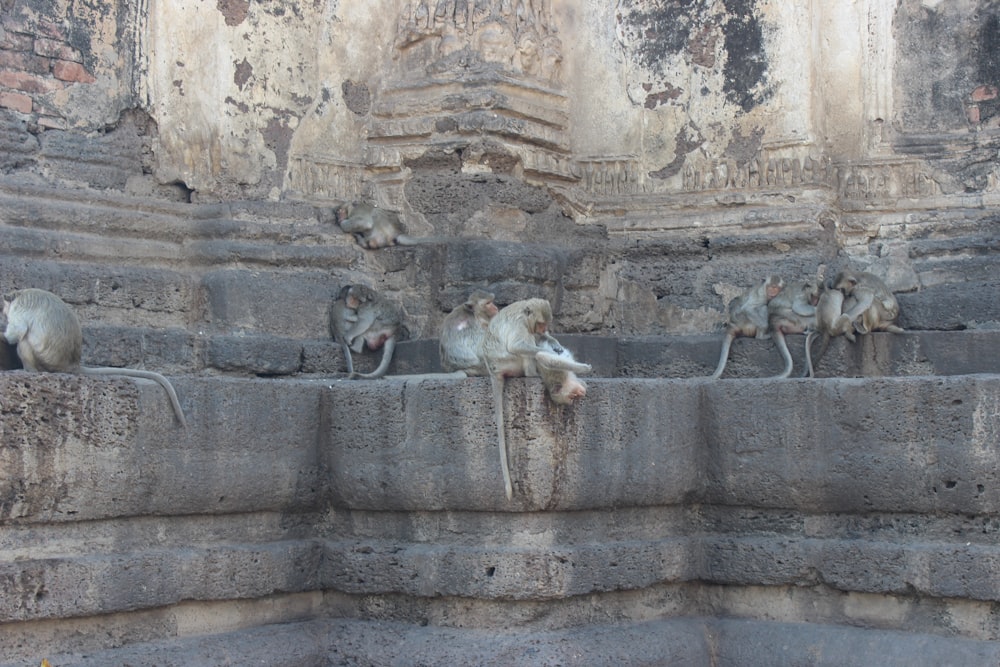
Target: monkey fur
48, 337
792, 311
748, 317
463, 332
517, 342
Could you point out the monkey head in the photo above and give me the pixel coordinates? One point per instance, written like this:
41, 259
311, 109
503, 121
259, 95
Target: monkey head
773, 286
537, 315
845, 281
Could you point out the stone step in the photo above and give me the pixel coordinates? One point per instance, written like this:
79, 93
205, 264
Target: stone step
384, 499
912, 353
671, 641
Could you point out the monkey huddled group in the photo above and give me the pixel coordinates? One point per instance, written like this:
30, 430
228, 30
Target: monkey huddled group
853, 302
479, 339
476, 339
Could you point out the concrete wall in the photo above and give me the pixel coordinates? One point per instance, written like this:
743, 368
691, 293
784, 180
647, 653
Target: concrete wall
373, 515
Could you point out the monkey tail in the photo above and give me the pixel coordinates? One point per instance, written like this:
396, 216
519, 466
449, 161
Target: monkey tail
387, 348
496, 381
146, 375
779, 339
347, 358
808, 373
407, 240
723, 356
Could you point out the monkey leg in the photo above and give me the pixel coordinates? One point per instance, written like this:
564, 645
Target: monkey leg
387, 348
27, 356
723, 356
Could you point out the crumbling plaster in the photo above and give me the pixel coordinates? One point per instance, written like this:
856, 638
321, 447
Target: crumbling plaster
236, 93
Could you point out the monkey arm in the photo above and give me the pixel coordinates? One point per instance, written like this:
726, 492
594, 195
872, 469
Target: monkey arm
365, 320
552, 361
804, 309
15, 331
551, 340
358, 224
863, 299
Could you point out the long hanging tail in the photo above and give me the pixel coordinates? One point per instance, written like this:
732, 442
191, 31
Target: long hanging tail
146, 375
723, 356
810, 335
496, 381
779, 339
347, 358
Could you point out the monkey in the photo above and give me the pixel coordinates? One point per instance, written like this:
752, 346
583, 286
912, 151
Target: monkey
373, 227
792, 311
463, 331
875, 307
830, 321
49, 338
379, 325
562, 386
344, 314
748, 316
511, 348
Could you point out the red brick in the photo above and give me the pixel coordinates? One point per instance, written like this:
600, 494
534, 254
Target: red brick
16, 101
24, 62
53, 122
983, 93
71, 72
55, 49
28, 83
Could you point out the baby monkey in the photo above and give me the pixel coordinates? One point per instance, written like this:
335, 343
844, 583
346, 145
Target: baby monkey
48, 337
517, 344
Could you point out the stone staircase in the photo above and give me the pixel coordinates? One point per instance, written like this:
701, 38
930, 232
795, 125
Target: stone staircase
661, 521
303, 519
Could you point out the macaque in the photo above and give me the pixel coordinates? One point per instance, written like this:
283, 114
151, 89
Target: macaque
517, 341
748, 316
830, 321
379, 325
875, 307
562, 385
49, 338
792, 311
463, 332
344, 315
373, 227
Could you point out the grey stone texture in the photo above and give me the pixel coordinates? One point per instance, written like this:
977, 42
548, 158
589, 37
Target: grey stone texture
638, 164
688, 511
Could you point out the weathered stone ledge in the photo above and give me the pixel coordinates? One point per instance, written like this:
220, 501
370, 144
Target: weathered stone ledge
687, 641
835, 501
